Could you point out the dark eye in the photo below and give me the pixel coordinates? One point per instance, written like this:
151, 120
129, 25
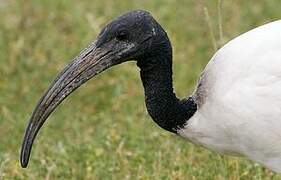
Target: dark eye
122, 36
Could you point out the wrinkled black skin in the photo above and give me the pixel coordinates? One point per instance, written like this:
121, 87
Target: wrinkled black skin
154, 58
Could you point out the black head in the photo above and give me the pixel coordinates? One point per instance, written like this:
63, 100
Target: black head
131, 36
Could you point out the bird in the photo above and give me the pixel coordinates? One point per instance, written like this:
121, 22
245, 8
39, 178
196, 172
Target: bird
235, 108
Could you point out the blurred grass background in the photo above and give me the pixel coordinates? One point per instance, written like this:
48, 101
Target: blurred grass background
103, 131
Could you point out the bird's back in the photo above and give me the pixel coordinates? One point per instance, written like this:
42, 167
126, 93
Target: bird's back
239, 98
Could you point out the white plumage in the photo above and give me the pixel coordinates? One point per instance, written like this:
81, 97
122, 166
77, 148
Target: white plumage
239, 97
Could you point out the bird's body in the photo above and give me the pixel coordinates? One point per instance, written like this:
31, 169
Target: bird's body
236, 108
239, 98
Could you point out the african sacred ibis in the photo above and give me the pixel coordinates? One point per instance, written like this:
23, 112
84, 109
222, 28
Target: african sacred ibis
235, 108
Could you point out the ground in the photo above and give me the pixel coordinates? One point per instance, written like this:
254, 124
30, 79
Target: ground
103, 130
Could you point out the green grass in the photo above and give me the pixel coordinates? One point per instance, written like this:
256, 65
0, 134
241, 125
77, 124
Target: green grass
103, 131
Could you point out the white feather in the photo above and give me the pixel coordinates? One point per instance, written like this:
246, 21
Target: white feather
239, 97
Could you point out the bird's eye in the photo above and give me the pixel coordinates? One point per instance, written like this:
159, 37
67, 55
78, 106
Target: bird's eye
122, 36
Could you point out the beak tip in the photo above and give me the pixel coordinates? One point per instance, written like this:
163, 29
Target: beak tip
24, 157
23, 162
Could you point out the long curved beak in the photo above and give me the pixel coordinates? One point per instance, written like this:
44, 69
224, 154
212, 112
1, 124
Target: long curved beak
86, 65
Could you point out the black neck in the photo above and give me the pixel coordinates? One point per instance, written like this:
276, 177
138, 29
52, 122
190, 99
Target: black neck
163, 106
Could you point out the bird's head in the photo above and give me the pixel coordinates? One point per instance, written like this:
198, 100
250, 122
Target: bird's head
128, 37
131, 36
